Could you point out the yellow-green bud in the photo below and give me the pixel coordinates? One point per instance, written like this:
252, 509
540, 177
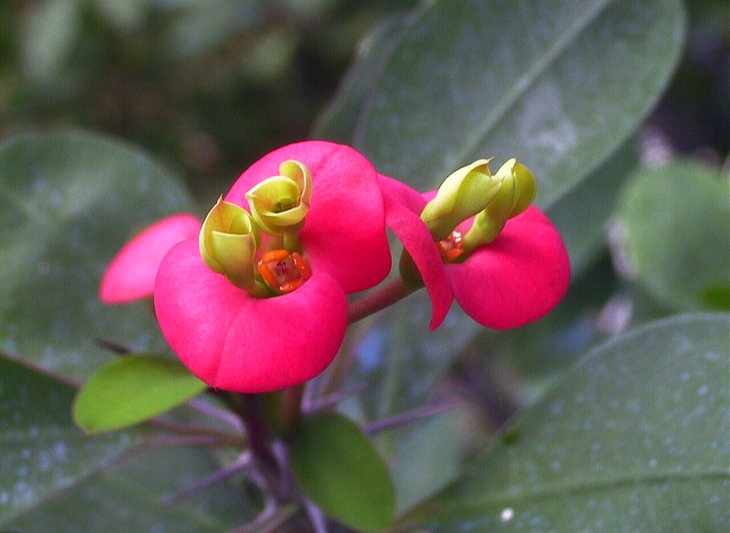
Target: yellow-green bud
228, 242
280, 203
462, 195
517, 190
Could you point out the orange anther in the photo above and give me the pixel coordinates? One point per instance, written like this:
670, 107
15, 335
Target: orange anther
450, 248
275, 255
283, 271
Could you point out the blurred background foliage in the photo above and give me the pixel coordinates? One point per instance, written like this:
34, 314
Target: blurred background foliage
206, 85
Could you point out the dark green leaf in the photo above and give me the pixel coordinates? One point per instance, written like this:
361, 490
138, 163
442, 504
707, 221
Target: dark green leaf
339, 120
672, 232
557, 85
131, 390
582, 214
340, 470
41, 451
129, 496
634, 438
68, 202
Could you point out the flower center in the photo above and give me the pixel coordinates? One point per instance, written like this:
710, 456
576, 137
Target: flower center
451, 247
283, 271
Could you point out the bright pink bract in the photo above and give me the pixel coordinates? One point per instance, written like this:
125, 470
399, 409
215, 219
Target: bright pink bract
516, 279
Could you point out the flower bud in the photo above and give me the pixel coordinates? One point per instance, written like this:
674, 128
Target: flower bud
228, 242
517, 190
280, 203
463, 194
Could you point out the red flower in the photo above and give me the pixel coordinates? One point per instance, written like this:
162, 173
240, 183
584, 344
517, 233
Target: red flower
235, 341
516, 279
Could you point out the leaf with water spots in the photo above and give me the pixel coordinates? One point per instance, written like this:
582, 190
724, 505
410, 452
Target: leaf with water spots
55, 478
41, 451
68, 202
634, 438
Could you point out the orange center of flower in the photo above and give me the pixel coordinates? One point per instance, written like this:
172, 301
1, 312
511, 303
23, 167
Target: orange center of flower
283, 271
450, 248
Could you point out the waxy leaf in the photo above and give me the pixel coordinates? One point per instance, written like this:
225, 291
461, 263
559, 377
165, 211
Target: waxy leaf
671, 233
339, 469
131, 390
634, 438
130, 495
558, 85
41, 451
68, 203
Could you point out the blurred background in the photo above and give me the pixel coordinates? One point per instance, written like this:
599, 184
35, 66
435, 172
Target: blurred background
210, 85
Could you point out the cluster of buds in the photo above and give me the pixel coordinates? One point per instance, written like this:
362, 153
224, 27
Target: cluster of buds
254, 299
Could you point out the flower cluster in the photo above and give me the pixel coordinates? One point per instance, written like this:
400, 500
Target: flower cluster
254, 298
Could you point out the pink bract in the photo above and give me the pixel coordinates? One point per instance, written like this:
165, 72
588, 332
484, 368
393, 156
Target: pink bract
401, 204
131, 274
235, 342
516, 279
343, 232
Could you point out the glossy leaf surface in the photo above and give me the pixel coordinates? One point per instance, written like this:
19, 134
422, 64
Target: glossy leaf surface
640, 424
68, 202
560, 86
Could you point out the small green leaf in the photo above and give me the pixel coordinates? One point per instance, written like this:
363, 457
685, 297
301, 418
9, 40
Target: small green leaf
132, 389
338, 467
672, 231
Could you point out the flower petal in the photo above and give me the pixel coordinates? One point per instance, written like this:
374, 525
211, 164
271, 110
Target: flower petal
344, 230
235, 342
516, 279
402, 208
131, 274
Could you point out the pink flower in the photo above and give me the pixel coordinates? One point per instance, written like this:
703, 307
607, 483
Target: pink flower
238, 342
516, 279
131, 274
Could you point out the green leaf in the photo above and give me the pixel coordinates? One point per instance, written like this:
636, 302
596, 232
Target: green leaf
672, 227
339, 120
129, 496
131, 390
559, 86
634, 438
340, 470
41, 451
582, 214
68, 203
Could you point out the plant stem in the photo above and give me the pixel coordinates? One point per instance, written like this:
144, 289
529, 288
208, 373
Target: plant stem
291, 408
389, 294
